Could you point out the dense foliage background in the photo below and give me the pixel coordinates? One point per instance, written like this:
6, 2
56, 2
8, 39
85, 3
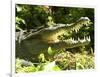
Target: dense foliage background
32, 17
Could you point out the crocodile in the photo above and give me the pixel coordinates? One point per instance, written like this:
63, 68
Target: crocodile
29, 45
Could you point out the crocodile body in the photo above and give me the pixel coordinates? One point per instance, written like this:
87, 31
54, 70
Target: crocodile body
28, 46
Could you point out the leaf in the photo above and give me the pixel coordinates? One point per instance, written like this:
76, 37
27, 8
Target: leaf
49, 66
50, 51
49, 18
42, 57
79, 66
56, 68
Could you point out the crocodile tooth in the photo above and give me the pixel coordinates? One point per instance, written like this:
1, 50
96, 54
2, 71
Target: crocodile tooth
71, 38
84, 37
74, 39
76, 30
89, 39
78, 39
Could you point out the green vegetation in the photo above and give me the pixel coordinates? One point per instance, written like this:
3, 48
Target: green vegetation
60, 62
30, 17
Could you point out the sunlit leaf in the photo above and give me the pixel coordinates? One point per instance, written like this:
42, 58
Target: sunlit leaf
50, 51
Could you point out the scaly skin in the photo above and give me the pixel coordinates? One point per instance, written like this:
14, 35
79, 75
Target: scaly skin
33, 44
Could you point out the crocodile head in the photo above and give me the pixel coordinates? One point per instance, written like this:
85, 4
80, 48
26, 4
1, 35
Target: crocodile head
69, 41
52, 34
